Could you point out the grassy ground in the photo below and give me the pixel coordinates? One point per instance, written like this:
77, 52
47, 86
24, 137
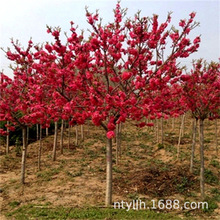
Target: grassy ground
73, 187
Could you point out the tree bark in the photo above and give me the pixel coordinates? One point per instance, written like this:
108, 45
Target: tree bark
82, 132
28, 129
180, 135
162, 137
202, 169
47, 132
216, 136
118, 143
108, 198
69, 137
157, 131
39, 149
55, 140
194, 128
183, 124
61, 137
37, 130
7, 139
24, 154
77, 135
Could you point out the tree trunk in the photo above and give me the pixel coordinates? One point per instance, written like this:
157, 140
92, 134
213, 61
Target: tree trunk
202, 169
183, 125
180, 135
120, 132
157, 131
47, 132
61, 137
108, 198
77, 136
55, 140
39, 149
162, 137
64, 126
216, 135
37, 130
82, 132
69, 137
7, 139
194, 127
118, 143
28, 129
24, 154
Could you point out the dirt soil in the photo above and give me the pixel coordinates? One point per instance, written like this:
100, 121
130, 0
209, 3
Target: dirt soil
77, 178
155, 182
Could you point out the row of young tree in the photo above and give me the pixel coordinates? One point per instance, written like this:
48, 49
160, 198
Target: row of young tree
126, 69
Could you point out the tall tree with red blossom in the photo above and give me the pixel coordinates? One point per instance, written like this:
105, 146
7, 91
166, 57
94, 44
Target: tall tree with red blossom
63, 67
128, 65
201, 92
20, 101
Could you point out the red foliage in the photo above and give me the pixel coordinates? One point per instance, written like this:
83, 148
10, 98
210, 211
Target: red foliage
201, 90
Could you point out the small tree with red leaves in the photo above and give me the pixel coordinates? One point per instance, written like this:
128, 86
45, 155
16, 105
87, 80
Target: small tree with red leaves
201, 92
21, 98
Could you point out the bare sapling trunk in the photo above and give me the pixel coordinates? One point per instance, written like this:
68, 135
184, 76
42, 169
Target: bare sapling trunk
216, 136
180, 135
183, 126
28, 129
77, 136
157, 131
37, 131
47, 132
24, 154
64, 126
118, 143
162, 126
88, 130
69, 131
7, 139
61, 137
55, 140
194, 128
120, 132
115, 138
108, 197
82, 132
40, 149
202, 169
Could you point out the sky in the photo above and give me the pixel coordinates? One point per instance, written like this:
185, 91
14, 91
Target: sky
25, 19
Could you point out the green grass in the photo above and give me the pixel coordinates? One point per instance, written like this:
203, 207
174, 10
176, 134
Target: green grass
78, 173
216, 194
212, 205
181, 187
46, 175
14, 204
160, 146
45, 212
215, 163
171, 149
210, 177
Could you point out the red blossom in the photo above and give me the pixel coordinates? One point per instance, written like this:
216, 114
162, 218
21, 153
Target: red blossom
110, 134
126, 75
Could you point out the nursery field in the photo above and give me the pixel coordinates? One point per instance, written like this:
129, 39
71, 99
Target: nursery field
112, 120
73, 186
